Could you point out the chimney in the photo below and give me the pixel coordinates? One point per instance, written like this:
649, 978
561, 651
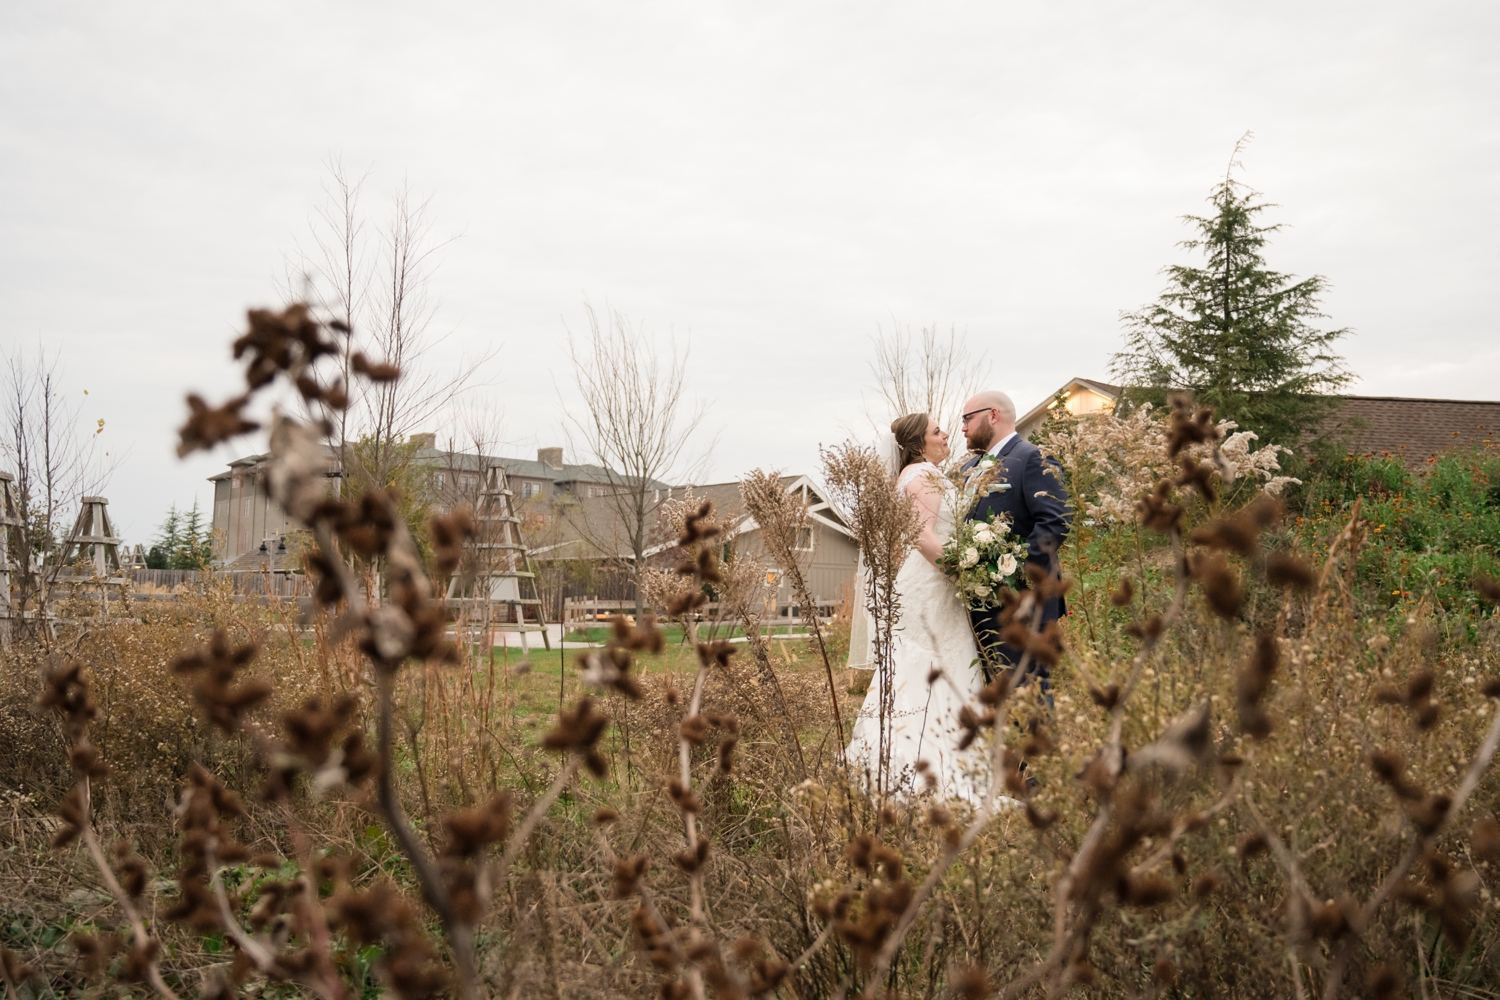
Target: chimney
424, 440
550, 457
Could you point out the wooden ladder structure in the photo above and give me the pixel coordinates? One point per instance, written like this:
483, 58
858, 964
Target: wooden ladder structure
10, 520
92, 541
503, 576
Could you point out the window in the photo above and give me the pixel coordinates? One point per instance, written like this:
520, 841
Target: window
805, 539
437, 480
529, 490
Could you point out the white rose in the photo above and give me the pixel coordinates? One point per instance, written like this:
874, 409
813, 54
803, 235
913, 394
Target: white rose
984, 536
971, 556
1007, 564
981, 590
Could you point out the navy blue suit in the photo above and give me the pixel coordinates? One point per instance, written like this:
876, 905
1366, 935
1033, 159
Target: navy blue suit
1034, 497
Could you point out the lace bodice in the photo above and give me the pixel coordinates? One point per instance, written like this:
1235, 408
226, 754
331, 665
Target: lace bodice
943, 528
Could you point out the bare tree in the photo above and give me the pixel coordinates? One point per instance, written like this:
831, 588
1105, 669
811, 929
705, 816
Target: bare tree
55, 466
926, 372
335, 272
633, 421
384, 289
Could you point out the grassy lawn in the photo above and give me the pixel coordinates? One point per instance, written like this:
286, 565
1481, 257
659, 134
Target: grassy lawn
533, 686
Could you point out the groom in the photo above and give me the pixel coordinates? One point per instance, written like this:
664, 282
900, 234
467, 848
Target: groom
1029, 489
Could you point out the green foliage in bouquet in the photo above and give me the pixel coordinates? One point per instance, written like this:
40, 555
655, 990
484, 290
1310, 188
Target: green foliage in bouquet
981, 557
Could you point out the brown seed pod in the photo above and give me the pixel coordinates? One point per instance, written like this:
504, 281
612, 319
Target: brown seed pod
207, 426
131, 868
1107, 698
1156, 512
1485, 840
971, 982
1221, 587
1149, 889
1040, 819
1251, 845
1384, 983
628, 874
717, 652
375, 371
694, 729
1283, 569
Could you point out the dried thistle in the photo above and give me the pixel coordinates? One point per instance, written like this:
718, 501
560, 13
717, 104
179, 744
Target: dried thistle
578, 730
207, 426
214, 670
1253, 684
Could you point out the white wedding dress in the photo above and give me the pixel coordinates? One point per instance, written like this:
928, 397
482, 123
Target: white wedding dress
932, 632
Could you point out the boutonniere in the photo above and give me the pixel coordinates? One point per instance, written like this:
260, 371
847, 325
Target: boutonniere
982, 476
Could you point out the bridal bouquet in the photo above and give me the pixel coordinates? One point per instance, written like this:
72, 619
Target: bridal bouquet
981, 557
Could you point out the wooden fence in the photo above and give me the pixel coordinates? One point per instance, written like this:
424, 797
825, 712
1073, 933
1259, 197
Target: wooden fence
582, 610
149, 582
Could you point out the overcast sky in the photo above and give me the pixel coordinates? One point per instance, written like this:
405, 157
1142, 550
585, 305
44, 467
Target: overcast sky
773, 180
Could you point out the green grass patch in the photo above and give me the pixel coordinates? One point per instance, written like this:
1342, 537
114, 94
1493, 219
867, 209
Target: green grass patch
673, 633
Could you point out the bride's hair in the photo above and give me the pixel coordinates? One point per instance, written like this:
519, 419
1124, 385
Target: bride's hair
911, 438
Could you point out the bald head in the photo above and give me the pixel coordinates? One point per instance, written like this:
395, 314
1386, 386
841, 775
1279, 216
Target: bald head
989, 416
993, 399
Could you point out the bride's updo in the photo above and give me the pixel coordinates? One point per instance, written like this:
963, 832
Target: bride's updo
911, 438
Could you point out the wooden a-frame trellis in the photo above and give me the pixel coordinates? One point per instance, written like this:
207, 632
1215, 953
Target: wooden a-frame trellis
93, 540
502, 576
10, 520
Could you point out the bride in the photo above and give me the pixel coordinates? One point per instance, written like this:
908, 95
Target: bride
931, 634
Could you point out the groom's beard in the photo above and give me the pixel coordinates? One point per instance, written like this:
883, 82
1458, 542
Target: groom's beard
981, 437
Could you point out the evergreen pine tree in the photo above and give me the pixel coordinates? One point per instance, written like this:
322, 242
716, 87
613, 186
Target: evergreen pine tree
196, 550
182, 542
1235, 334
168, 540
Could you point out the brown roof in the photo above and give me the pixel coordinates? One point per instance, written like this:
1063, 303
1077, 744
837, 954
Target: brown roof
1102, 388
1416, 429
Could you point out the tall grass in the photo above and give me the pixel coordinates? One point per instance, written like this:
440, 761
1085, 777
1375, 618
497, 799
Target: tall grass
1261, 779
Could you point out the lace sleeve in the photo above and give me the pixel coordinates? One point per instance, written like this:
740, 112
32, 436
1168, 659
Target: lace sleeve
911, 472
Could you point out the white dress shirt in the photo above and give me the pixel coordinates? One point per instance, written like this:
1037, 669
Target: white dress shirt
995, 448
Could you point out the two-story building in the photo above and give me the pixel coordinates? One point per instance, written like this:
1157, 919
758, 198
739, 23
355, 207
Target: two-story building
246, 519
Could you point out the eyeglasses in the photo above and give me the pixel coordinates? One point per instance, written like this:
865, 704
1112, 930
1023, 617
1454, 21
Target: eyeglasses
971, 413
